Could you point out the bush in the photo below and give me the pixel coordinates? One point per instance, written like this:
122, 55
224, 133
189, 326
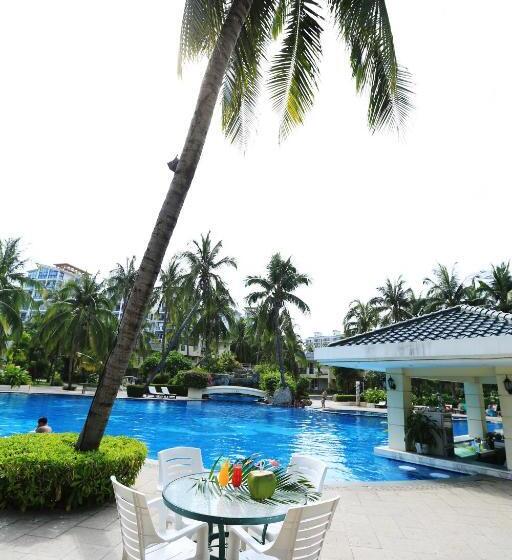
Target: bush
45, 471
270, 380
194, 378
344, 398
56, 381
302, 388
374, 395
176, 362
15, 376
135, 391
179, 390
160, 379
150, 364
227, 362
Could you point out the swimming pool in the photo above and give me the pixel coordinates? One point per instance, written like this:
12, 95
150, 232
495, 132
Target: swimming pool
222, 427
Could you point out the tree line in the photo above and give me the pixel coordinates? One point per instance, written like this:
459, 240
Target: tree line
191, 302
444, 288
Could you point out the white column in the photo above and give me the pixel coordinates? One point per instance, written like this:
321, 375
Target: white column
506, 411
475, 408
399, 406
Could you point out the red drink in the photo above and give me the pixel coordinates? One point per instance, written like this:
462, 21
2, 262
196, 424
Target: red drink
236, 477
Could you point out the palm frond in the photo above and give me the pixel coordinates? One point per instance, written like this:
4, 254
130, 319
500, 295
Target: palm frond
294, 70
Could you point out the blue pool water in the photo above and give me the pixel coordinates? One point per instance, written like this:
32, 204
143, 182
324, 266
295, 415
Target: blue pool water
222, 427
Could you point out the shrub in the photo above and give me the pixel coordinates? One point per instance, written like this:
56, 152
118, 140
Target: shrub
135, 391
160, 379
176, 362
56, 381
302, 388
374, 395
227, 362
150, 364
15, 376
270, 380
179, 390
45, 471
194, 378
344, 398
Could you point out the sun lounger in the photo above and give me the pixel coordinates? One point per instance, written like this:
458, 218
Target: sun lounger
153, 392
165, 393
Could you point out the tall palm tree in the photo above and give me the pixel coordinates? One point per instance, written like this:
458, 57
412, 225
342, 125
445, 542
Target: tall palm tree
360, 318
13, 296
170, 296
120, 283
393, 301
204, 280
242, 341
274, 293
497, 287
445, 288
79, 319
236, 36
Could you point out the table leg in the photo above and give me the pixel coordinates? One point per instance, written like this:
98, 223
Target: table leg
222, 542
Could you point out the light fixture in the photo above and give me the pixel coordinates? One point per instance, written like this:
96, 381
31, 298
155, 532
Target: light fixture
507, 383
392, 384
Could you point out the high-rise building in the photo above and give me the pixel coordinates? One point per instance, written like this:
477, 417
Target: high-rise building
319, 340
50, 277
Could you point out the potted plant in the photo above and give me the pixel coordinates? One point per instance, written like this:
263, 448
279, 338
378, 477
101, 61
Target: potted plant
420, 433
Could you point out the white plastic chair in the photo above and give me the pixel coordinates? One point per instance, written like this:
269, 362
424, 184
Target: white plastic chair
153, 392
173, 463
142, 541
314, 470
301, 537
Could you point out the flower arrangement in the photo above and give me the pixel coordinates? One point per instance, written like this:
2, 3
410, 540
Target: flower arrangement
250, 478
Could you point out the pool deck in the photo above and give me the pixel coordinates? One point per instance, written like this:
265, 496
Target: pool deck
467, 518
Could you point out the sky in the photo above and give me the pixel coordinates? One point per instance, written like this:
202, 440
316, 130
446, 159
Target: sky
91, 109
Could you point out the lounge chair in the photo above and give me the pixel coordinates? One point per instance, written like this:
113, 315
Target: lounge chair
153, 392
165, 393
302, 535
381, 404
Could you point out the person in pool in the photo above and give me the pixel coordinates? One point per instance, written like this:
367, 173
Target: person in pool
42, 426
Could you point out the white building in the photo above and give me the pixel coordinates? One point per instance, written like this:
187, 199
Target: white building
319, 340
50, 277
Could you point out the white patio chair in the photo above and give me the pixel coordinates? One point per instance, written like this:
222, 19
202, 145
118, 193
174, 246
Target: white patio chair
173, 463
165, 393
153, 392
142, 541
314, 470
301, 536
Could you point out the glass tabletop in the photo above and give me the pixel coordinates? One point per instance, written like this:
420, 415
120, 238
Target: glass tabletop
182, 497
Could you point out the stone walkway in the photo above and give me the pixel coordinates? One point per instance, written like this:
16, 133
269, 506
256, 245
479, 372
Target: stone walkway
460, 518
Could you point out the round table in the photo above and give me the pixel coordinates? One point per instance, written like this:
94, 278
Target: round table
182, 497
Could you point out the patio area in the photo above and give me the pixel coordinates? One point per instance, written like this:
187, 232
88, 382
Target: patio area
469, 518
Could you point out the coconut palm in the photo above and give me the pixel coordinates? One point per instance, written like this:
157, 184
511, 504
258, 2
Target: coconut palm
13, 296
170, 295
236, 36
274, 293
242, 341
205, 282
393, 301
497, 287
445, 289
79, 320
120, 283
360, 318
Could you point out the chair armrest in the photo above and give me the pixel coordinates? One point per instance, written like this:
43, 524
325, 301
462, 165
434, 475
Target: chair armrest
188, 530
248, 540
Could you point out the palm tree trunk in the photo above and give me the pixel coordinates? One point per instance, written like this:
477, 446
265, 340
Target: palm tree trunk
279, 348
164, 330
115, 366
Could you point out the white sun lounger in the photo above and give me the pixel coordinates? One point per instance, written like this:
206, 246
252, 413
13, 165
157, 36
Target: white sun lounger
165, 393
154, 393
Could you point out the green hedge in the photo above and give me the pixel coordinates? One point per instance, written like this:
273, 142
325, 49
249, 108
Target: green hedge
45, 471
194, 378
344, 398
136, 391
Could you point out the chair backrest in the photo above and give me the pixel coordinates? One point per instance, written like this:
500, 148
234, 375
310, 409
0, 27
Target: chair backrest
137, 529
303, 532
176, 462
164, 390
313, 469
152, 390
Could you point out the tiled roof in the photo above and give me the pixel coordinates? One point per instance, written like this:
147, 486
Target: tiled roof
463, 321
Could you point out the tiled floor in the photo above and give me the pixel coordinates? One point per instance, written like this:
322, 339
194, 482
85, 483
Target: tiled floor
463, 518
